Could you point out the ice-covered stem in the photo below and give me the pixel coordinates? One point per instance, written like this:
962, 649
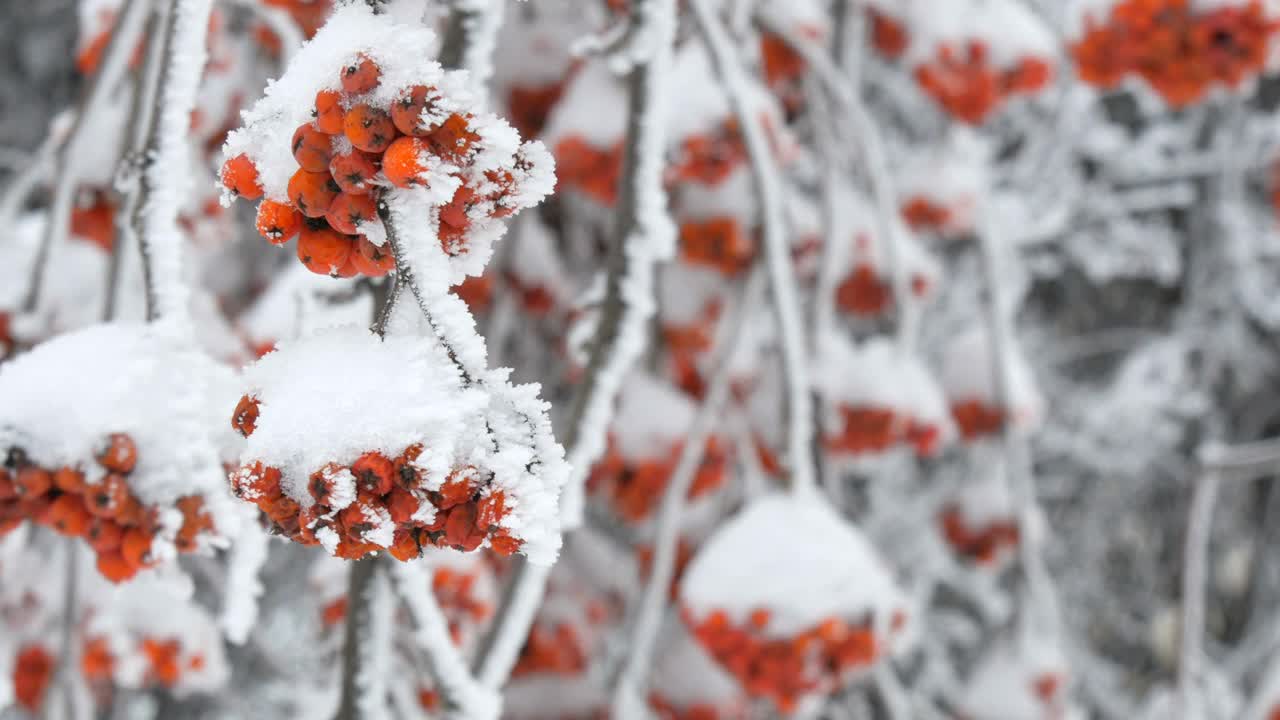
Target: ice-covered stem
769, 193
465, 698
166, 175
843, 87
66, 672
66, 169
1195, 560
362, 587
470, 37
643, 235
1017, 453
646, 616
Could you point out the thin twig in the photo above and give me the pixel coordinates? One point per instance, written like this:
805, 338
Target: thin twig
361, 585
1194, 573
66, 169
640, 239
647, 614
769, 193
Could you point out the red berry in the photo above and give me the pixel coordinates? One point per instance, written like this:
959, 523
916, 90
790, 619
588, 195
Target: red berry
347, 211
329, 112
368, 128
323, 250
406, 111
361, 75
240, 176
278, 222
312, 149
354, 171
312, 192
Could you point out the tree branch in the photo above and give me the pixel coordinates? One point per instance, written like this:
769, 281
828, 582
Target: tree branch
646, 616
769, 193
66, 158
362, 587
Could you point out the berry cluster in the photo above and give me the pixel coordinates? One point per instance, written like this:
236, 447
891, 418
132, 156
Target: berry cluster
351, 151
981, 545
103, 511
455, 591
888, 35
1180, 52
165, 661
976, 419
709, 158
32, 671
94, 219
720, 243
377, 503
634, 487
970, 88
590, 170
925, 215
877, 429
784, 670
529, 106
865, 293
553, 650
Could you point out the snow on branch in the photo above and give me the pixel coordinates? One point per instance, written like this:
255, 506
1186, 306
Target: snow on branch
769, 193
466, 698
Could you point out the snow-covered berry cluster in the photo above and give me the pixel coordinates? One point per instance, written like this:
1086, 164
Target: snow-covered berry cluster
1180, 49
93, 458
325, 149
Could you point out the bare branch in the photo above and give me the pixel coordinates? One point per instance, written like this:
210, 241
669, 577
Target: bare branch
769, 193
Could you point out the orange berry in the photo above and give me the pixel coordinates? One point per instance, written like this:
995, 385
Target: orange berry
453, 139
32, 670
278, 222
245, 417
32, 482
323, 250
311, 148
118, 454
329, 112
108, 497
354, 171
504, 545
240, 176
68, 516
406, 111
96, 660
113, 566
402, 504
368, 128
349, 268
312, 192
361, 75
455, 213
490, 510
405, 547
374, 473
372, 260
104, 535
135, 547
402, 163
348, 210
69, 480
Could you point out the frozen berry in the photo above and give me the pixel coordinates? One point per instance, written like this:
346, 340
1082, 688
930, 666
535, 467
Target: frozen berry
361, 75
348, 211
278, 222
407, 111
368, 128
118, 454
311, 148
240, 176
403, 163
354, 171
312, 193
373, 260
329, 112
323, 250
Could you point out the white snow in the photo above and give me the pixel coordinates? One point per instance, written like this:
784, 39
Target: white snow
817, 565
967, 374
